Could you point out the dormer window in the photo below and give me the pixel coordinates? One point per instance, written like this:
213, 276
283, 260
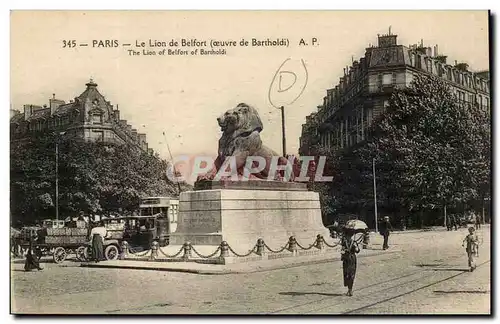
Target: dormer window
96, 118
95, 113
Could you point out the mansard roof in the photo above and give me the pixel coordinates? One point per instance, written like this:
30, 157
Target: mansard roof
17, 118
40, 114
65, 109
91, 98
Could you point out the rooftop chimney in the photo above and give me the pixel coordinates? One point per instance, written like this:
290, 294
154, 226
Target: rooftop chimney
462, 67
28, 111
54, 104
387, 40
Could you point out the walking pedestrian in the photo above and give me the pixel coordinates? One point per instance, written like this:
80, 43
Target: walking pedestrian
349, 260
472, 247
32, 262
478, 222
97, 235
385, 229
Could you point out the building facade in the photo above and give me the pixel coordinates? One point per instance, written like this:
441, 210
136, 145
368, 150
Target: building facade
89, 116
365, 88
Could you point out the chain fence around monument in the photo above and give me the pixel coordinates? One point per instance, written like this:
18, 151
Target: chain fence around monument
187, 250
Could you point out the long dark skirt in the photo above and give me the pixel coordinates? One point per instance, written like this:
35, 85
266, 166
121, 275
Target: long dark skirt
31, 262
97, 247
349, 262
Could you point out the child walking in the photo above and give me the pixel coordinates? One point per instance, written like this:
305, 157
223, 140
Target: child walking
472, 247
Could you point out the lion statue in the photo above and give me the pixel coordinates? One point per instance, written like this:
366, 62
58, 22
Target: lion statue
241, 127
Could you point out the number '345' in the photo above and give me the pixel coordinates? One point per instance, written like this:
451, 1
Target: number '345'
69, 43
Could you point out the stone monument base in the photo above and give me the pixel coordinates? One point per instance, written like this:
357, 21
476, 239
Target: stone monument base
241, 216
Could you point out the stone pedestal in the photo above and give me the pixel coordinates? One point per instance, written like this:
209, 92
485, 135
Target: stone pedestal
243, 215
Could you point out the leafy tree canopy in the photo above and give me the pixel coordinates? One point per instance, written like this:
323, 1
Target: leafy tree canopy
429, 150
94, 178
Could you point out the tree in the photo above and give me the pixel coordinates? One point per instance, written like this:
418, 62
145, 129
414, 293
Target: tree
430, 150
328, 201
95, 178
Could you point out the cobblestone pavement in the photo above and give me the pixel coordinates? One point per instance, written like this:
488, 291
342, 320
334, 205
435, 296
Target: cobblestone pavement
428, 277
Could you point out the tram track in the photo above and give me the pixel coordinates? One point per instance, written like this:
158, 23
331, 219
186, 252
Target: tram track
385, 300
366, 290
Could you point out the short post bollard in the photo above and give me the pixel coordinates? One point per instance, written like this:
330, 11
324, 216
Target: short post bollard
260, 247
319, 241
187, 250
154, 250
124, 251
366, 240
224, 249
292, 244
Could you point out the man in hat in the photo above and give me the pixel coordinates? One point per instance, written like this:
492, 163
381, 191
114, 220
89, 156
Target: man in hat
384, 230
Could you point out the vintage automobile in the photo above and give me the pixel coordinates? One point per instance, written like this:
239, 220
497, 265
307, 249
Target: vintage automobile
59, 241
138, 231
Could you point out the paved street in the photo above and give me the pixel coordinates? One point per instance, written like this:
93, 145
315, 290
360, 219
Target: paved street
428, 277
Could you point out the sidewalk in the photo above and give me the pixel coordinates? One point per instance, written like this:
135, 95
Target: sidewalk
428, 229
234, 268
432, 229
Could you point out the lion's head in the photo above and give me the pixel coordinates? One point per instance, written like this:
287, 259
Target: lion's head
241, 119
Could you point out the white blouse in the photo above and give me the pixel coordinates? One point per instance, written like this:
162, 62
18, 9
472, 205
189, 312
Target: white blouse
99, 230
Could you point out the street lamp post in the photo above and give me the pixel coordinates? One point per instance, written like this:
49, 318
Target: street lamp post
482, 212
282, 108
375, 195
57, 179
57, 174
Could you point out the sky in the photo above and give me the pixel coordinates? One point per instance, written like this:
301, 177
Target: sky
182, 96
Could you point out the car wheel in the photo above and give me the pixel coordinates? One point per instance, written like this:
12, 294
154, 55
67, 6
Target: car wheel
111, 252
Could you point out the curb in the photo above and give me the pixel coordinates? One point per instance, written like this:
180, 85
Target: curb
229, 271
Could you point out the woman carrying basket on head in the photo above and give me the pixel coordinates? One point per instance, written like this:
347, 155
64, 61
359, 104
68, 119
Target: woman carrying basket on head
349, 250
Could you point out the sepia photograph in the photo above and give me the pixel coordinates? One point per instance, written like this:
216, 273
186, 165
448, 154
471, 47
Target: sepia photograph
170, 162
